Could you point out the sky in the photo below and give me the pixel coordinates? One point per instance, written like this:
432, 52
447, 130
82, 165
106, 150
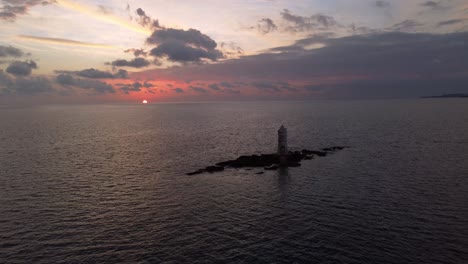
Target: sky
163, 51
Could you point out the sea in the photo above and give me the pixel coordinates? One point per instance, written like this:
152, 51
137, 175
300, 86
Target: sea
107, 183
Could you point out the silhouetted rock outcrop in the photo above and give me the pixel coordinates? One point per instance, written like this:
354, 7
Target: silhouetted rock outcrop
269, 161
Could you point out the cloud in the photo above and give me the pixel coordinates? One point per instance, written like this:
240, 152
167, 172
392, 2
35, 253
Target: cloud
24, 85
121, 74
432, 4
318, 38
407, 25
178, 90
192, 36
265, 85
135, 63
146, 21
94, 74
20, 68
97, 74
180, 52
231, 49
137, 52
390, 88
382, 3
183, 45
451, 22
104, 10
134, 87
175, 45
66, 42
214, 86
127, 88
228, 84
98, 87
11, 9
303, 23
273, 86
198, 89
266, 25
9, 51
33, 85
5, 79
380, 57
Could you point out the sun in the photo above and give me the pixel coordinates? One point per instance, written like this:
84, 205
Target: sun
145, 101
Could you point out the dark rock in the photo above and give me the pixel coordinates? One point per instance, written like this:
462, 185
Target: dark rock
319, 153
293, 164
196, 172
260, 172
212, 169
251, 161
272, 167
269, 161
333, 148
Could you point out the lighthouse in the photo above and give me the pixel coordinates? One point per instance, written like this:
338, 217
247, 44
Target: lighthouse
282, 141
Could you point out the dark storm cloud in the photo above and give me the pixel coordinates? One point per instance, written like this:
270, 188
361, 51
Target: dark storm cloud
266, 25
307, 23
178, 90
451, 22
381, 3
21, 68
11, 9
9, 51
383, 56
97, 74
135, 63
98, 87
183, 45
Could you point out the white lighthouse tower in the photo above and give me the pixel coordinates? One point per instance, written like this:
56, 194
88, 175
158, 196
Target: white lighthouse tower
283, 141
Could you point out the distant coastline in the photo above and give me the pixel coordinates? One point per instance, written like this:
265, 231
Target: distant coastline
447, 96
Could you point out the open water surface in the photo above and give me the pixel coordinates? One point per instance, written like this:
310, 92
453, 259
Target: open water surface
107, 183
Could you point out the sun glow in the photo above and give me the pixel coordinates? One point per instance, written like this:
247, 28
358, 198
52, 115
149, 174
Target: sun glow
145, 101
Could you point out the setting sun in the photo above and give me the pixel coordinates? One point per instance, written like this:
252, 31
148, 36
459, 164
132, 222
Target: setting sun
145, 101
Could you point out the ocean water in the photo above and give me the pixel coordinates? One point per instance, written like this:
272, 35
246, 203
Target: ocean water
107, 183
